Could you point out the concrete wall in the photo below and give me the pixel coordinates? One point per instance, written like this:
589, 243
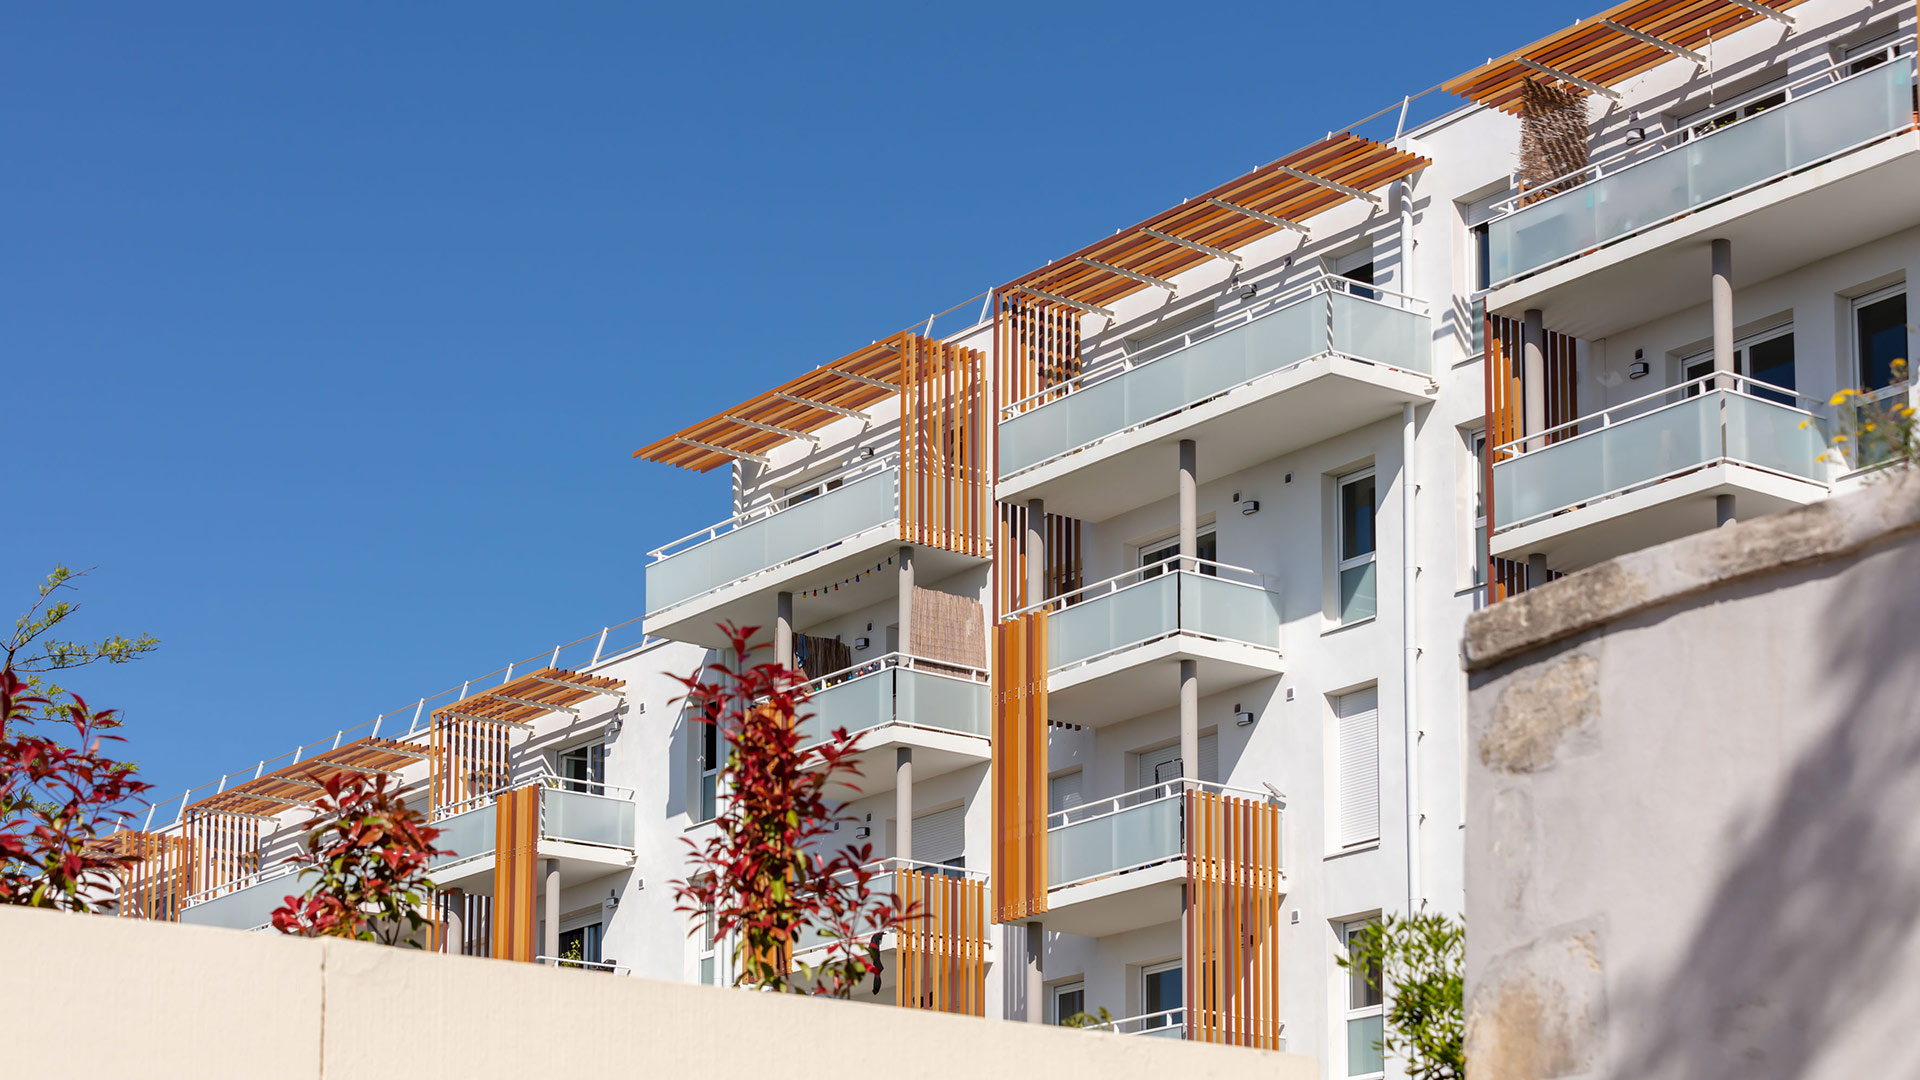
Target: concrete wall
1692, 797
211, 1003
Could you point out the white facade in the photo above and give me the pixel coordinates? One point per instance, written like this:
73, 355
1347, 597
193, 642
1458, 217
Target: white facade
1367, 828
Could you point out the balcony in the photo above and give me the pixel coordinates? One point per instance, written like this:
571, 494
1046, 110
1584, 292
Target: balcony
1114, 647
1253, 383
1832, 166
939, 711
586, 827
733, 570
1119, 864
249, 907
1648, 471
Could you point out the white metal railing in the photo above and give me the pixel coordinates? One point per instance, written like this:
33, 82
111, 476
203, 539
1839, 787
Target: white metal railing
1165, 789
1167, 1023
1132, 831
900, 660
1649, 439
1197, 597
1561, 434
1238, 575
1219, 323
411, 722
1577, 220
846, 475
586, 965
258, 877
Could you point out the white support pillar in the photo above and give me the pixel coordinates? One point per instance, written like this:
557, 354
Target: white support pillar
550, 939
454, 933
1036, 551
1189, 505
1036, 976
903, 803
1533, 375
783, 629
1723, 312
905, 613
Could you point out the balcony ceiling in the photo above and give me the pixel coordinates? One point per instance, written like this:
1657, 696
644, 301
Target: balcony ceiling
1597, 51
1275, 190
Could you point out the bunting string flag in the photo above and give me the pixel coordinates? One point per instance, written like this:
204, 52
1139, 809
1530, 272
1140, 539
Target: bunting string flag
834, 587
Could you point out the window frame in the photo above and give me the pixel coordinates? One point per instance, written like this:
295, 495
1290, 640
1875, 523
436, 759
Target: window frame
596, 766
706, 766
1857, 376
1341, 561
1059, 990
1477, 535
1350, 1012
1147, 971
1171, 540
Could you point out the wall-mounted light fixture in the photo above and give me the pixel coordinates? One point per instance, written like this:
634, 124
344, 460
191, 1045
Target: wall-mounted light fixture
1639, 367
1250, 507
1242, 717
862, 832
1248, 290
862, 642
865, 452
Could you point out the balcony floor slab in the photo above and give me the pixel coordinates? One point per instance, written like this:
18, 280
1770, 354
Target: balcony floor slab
579, 864
1118, 903
1654, 514
935, 753
1309, 402
1791, 222
1146, 678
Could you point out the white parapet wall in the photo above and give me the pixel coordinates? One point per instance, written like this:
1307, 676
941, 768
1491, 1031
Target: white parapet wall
99, 996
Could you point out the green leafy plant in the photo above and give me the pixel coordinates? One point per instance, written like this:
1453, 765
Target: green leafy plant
34, 653
1418, 963
1089, 1020
1873, 431
771, 865
368, 855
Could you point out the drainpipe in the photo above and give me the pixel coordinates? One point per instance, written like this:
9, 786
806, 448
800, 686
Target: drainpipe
1410, 572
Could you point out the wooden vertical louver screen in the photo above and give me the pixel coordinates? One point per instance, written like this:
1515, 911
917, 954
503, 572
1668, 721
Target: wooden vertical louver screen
943, 952
1234, 890
227, 848
469, 761
1039, 348
1505, 380
1061, 536
1020, 767
945, 493
516, 857
158, 878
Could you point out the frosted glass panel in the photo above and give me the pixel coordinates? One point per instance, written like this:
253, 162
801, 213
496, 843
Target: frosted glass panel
938, 701
1132, 837
1363, 1039
1632, 452
770, 541
1357, 599
811, 935
1712, 166
1212, 364
1223, 609
465, 835
855, 705
1105, 623
911, 697
586, 819
248, 908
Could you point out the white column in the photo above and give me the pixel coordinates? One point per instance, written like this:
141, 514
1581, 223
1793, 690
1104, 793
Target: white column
1036, 551
1036, 976
905, 613
454, 932
1189, 505
1723, 312
550, 941
1533, 375
903, 803
783, 629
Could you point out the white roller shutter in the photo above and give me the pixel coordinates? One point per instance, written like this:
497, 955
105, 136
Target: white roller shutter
941, 836
1064, 792
1162, 765
1358, 720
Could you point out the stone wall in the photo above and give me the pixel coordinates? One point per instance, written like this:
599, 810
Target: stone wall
1693, 807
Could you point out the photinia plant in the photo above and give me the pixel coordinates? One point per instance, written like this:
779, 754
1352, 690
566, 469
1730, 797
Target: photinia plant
760, 876
368, 854
59, 802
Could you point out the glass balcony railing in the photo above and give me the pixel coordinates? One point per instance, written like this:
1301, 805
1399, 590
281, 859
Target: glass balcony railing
740, 548
584, 817
1820, 117
465, 835
882, 883
1330, 315
1127, 832
1228, 603
897, 689
1652, 439
247, 908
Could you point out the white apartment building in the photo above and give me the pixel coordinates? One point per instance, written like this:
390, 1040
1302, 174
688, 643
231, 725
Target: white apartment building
1146, 587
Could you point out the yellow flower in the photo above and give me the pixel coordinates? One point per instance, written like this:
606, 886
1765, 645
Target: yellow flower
1804, 423
1839, 438
1869, 427
1841, 397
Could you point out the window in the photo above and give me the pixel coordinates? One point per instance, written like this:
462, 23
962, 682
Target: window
1871, 54
939, 838
1160, 991
1163, 765
1477, 464
709, 956
1357, 740
1766, 357
805, 490
1364, 1010
1069, 1000
1356, 547
1356, 266
1205, 548
1065, 791
581, 943
709, 743
1698, 124
1166, 336
583, 768
1880, 337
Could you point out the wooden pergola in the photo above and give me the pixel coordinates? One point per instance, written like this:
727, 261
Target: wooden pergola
1280, 195
793, 410
302, 782
1594, 55
519, 702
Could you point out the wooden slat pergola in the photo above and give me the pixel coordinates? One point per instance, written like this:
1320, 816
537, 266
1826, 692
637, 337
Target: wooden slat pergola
1279, 195
525, 699
795, 409
1613, 46
303, 782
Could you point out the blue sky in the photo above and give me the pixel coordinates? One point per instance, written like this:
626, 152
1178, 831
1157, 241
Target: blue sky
329, 330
